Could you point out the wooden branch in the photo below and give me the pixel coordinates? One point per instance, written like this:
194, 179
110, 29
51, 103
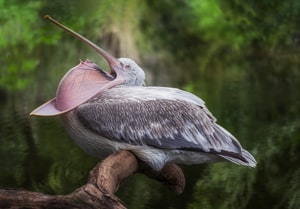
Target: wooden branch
104, 180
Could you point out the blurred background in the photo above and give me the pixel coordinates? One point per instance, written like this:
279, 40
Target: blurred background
241, 57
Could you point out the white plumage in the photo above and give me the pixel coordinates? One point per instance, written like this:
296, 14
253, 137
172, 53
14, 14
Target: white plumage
158, 124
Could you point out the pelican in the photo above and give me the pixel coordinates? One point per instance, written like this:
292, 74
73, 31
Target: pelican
106, 112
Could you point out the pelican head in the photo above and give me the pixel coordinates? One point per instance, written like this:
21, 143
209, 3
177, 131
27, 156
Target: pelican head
133, 74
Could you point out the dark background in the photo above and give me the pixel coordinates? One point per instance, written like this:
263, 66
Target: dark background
241, 57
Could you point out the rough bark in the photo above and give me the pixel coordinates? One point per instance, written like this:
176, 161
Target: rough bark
104, 180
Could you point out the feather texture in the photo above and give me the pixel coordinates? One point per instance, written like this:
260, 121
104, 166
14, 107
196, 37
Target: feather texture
161, 118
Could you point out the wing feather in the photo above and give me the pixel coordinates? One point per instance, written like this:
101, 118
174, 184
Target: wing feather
164, 118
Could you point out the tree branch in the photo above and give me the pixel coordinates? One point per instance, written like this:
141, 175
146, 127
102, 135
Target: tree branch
104, 180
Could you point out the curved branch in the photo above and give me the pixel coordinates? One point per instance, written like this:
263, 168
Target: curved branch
104, 180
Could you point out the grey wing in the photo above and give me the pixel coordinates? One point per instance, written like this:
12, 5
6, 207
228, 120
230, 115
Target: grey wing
160, 123
177, 94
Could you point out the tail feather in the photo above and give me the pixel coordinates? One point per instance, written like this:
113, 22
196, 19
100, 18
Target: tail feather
246, 160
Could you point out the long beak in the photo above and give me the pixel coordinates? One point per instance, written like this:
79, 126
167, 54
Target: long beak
113, 62
81, 82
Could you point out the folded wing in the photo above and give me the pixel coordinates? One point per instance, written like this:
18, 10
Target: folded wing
164, 118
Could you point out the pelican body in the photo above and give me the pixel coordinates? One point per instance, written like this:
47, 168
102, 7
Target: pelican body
106, 112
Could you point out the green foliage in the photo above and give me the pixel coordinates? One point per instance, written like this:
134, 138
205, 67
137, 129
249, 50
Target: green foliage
17, 22
224, 187
280, 158
213, 24
18, 38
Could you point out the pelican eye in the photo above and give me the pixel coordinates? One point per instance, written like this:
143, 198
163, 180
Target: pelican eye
127, 67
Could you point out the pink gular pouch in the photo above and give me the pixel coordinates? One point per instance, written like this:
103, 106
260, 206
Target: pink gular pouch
81, 82
77, 86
